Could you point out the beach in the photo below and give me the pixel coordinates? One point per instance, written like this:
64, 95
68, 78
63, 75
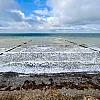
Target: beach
63, 86
65, 63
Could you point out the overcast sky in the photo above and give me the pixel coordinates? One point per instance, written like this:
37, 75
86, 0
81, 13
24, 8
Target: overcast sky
50, 16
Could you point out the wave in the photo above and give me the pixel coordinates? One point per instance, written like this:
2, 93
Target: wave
49, 59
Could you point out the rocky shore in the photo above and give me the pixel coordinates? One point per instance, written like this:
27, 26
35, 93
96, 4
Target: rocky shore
69, 84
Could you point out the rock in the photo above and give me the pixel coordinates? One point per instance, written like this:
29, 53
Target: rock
26, 82
1, 53
9, 74
98, 80
18, 88
25, 85
51, 81
95, 86
42, 86
83, 45
29, 85
3, 86
8, 88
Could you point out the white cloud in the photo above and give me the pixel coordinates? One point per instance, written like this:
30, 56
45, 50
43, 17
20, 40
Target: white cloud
65, 16
75, 11
19, 13
42, 12
14, 16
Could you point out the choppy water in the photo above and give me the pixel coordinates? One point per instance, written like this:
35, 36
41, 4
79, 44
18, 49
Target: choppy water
49, 53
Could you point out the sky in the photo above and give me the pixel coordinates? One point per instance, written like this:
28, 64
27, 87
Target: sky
63, 16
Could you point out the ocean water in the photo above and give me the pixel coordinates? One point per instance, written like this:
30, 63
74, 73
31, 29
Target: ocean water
49, 53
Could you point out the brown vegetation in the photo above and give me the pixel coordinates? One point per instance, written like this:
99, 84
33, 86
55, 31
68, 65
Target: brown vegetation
49, 94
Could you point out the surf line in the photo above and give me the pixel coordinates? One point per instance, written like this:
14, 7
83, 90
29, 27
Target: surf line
15, 47
82, 45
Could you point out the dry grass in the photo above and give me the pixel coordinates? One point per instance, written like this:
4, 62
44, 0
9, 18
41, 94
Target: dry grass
49, 94
11, 96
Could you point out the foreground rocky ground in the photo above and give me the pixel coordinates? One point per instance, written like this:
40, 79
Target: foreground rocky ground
59, 86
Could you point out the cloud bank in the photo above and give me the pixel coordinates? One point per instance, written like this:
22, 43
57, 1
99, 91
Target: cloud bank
76, 11
4, 5
64, 16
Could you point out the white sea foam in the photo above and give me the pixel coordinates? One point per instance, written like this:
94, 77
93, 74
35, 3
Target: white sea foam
50, 62
53, 58
48, 67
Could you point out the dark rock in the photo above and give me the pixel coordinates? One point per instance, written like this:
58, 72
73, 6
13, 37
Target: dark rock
26, 82
25, 43
18, 88
9, 74
95, 86
41, 86
26, 85
98, 80
33, 85
58, 86
29, 85
3, 86
87, 76
19, 45
51, 81
1, 53
8, 88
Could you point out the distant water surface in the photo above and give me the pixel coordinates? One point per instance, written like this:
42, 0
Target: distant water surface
91, 39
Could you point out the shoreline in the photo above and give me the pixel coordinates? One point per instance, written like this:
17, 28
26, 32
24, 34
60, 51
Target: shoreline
83, 79
70, 84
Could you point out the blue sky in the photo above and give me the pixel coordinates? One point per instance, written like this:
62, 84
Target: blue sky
50, 16
28, 6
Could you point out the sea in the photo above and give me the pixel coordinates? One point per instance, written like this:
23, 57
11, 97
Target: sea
49, 52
